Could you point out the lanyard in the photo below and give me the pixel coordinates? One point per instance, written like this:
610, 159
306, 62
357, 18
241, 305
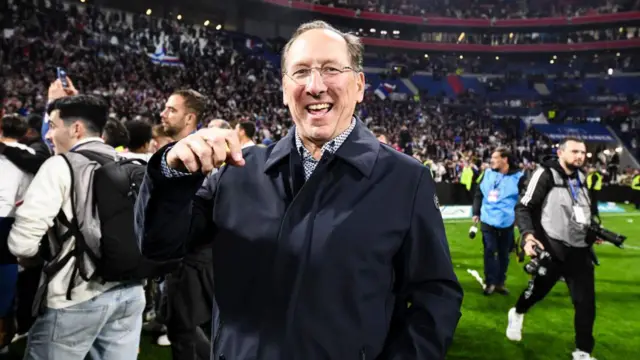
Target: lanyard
497, 182
574, 191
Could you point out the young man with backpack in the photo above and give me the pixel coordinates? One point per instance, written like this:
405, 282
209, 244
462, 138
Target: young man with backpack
91, 299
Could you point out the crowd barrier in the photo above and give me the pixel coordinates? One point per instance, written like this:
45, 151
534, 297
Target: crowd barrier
455, 200
512, 48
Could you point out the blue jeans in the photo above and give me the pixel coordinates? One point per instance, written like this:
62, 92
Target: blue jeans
497, 246
106, 327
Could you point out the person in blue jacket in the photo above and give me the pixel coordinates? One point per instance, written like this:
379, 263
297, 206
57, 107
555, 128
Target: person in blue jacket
494, 206
326, 244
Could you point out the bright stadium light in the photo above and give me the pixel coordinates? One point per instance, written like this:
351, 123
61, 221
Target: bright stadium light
148, 12
179, 17
372, 30
610, 71
206, 23
219, 27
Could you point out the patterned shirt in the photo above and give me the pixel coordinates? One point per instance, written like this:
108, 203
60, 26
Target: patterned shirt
308, 162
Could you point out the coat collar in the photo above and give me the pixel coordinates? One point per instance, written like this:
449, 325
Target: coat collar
360, 149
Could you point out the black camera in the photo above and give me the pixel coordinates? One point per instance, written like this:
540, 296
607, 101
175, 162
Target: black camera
538, 265
473, 231
596, 231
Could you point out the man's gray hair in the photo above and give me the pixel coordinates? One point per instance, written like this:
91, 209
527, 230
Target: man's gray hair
354, 45
219, 123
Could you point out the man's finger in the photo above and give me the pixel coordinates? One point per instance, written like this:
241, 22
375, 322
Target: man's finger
188, 158
219, 153
234, 147
203, 152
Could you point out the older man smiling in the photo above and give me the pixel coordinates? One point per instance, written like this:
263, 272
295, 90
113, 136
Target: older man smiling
321, 240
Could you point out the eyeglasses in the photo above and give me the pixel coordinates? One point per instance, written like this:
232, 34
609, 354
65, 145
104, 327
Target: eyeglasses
327, 73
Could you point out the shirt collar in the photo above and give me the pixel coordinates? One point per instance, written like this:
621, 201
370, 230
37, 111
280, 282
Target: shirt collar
330, 146
360, 149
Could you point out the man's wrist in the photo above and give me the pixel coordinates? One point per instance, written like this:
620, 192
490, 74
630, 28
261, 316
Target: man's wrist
168, 171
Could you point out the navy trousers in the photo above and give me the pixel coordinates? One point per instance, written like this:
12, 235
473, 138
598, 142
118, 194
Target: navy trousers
498, 243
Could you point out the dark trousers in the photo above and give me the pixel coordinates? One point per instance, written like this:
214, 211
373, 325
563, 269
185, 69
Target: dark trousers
28, 282
188, 306
498, 243
189, 344
577, 270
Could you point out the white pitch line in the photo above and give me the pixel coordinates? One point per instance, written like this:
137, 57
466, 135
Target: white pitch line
476, 276
625, 246
607, 215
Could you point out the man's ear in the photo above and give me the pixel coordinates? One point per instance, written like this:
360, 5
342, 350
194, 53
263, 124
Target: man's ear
360, 84
284, 93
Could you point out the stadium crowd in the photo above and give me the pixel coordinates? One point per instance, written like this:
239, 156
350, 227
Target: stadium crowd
106, 55
484, 9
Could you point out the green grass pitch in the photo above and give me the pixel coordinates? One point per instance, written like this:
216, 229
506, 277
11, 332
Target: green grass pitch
548, 328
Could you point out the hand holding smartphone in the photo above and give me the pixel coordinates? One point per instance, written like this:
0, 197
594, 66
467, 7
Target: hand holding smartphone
62, 75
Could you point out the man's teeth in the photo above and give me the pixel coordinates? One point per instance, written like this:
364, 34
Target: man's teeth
319, 106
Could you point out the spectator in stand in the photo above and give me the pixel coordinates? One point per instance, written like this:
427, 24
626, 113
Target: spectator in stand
116, 134
220, 124
379, 133
159, 139
246, 132
140, 136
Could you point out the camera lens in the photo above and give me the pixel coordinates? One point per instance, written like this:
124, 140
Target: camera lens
473, 231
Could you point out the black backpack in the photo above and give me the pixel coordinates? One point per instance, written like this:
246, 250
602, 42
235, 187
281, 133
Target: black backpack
115, 188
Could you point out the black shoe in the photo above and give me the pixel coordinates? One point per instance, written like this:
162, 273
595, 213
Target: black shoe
502, 290
490, 289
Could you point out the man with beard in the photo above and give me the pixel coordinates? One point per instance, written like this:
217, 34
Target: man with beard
553, 214
189, 290
182, 113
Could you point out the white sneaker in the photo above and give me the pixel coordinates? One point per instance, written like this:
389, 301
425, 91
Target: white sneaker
514, 329
163, 340
581, 355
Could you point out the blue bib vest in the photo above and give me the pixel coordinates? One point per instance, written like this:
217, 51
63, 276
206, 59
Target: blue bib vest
499, 198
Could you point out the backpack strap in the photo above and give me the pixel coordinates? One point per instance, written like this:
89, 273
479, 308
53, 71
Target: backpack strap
94, 156
81, 246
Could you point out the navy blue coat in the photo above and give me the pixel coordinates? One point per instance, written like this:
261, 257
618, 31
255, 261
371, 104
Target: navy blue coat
322, 269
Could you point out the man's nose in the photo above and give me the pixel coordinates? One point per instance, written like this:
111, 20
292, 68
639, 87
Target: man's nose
315, 84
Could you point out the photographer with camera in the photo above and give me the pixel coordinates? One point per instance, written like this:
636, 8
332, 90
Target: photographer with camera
554, 215
493, 206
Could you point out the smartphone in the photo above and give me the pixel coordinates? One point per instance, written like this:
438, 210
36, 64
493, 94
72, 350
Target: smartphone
62, 75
